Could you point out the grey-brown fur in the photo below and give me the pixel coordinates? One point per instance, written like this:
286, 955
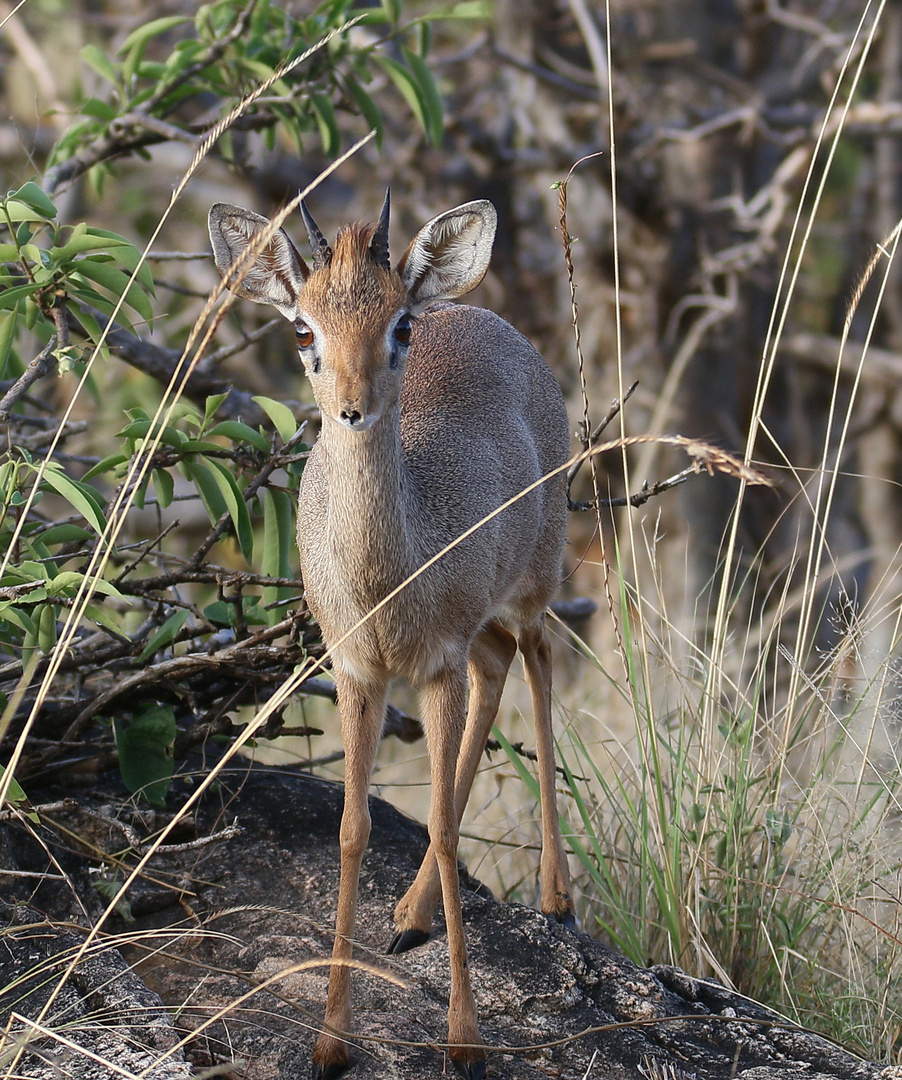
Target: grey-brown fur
433, 416
474, 393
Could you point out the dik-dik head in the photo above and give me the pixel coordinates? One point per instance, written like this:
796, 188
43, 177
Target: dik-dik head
352, 312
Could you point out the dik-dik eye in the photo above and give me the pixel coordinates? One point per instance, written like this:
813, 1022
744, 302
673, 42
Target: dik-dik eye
304, 335
402, 331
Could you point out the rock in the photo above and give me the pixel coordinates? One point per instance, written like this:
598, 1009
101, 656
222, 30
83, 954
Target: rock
244, 954
100, 1020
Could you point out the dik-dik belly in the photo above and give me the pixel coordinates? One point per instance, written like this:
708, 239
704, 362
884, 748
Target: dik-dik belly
397, 639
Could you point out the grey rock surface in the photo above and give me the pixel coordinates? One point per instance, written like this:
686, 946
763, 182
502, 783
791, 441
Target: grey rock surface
241, 950
101, 1020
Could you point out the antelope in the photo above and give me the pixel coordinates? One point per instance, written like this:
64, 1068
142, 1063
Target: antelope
433, 415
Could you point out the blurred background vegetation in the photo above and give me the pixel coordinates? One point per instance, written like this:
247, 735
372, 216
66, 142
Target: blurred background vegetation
729, 715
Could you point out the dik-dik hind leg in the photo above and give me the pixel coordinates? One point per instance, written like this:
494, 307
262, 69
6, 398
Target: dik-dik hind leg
362, 714
490, 658
444, 717
554, 872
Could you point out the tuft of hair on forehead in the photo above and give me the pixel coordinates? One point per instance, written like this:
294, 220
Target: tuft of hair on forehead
352, 245
353, 284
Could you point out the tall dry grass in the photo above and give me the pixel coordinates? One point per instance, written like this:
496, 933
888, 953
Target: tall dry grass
729, 782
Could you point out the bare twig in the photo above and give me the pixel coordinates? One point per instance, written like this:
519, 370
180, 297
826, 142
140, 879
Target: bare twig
647, 491
40, 366
588, 440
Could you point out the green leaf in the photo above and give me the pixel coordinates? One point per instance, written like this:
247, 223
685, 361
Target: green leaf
9, 298
69, 581
200, 446
431, 98
113, 461
47, 629
145, 753
34, 196
82, 240
278, 533
91, 326
238, 432
166, 634
154, 28
18, 211
423, 35
64, 534
164, 486
95, 299
411, 90
324, 115
278, 544
116, 282
133, 260
197, 471
368, 109
97, 60
281, 416
7, 337
18, 618
211, 406
113, 237
237, 507
17, 798
102, 110
108, 888
104, 616
220, 613
144, 429
82, 497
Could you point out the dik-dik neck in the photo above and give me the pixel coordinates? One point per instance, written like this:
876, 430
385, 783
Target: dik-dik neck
373, 505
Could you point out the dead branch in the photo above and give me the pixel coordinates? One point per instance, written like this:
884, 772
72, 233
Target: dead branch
40, 366
161, 364
705, 457
646, 492
589, 440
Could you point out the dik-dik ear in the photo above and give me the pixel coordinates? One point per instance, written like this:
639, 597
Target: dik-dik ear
273, 272
450, 254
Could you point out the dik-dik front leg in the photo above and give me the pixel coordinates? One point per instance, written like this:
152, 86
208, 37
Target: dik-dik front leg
362, 714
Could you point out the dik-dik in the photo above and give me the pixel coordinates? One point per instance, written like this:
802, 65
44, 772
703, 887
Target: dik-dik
433, 415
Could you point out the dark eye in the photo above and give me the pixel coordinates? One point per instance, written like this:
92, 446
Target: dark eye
402, 331
304, 335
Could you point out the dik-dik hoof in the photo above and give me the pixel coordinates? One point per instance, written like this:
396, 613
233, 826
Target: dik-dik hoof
469, 1070
328, 1072
405, 940
567, 919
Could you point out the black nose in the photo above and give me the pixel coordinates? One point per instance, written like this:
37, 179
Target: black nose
351, 416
